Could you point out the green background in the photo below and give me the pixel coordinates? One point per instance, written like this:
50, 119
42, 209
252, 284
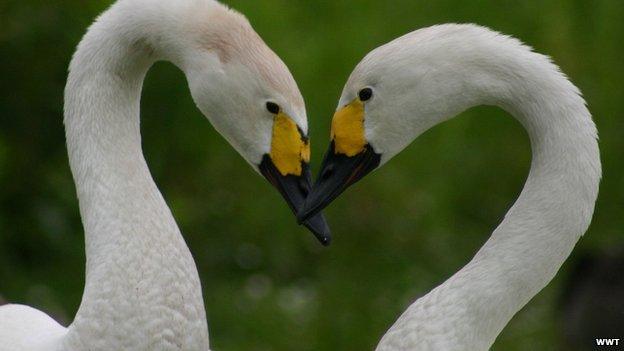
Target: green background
267, 284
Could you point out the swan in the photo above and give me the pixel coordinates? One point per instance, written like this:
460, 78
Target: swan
423, 78
142, 289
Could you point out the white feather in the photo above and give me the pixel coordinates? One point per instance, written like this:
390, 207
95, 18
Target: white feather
431, 75
142, 288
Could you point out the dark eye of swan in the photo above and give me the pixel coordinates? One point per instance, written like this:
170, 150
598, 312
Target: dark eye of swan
365, 94
272, 107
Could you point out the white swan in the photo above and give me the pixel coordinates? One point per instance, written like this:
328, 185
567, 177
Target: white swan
403, 88
142, 289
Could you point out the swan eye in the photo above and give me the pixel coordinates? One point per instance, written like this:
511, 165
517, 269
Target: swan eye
365, 94
272, 107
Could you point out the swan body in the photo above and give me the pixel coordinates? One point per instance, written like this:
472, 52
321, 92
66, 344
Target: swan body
142, 289
405, 87
26, 328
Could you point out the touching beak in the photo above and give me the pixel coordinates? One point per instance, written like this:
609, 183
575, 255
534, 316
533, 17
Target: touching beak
338, 172
349, 158
286, 166
295, 189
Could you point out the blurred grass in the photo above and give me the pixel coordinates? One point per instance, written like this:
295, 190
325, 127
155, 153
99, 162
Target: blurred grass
403, 230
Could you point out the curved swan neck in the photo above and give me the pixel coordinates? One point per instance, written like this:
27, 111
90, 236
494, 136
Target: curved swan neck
469, 310
142, 290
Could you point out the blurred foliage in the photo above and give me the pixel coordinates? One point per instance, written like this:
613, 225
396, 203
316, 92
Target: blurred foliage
401, 231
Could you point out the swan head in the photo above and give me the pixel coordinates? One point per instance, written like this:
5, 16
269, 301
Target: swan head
394, 94
251, 98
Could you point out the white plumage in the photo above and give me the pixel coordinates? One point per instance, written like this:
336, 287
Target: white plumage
25, 328
407, 86
431, 75
142, 289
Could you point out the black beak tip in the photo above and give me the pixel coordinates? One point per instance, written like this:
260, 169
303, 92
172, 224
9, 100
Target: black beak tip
319, 227
325, 241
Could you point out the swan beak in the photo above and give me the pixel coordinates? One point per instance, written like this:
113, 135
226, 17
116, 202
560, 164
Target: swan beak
338, 172
295, 189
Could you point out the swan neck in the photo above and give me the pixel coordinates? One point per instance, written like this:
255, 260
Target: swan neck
142, 284
540, 230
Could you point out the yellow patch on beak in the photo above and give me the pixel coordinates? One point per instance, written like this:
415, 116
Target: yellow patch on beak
347, 130
288, 146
